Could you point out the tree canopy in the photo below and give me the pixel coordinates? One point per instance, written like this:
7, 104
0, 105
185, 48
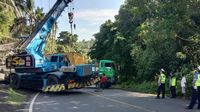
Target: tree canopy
148, 35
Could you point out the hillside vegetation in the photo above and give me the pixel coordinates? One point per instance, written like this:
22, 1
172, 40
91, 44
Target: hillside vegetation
149, 35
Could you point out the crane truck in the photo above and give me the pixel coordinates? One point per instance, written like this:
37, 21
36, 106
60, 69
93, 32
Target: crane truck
33, 70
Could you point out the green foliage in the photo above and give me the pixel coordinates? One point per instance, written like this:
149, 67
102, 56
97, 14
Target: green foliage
14, 16
20, 28
150, 35
67, 42
66, 38
6, 19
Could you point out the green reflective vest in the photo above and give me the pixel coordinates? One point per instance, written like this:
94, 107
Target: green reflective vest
197, 83
173, 81
163, 78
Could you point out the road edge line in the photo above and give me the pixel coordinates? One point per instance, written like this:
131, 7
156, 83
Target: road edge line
32, 102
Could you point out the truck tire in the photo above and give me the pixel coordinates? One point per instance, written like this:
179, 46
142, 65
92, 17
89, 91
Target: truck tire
15, 81
52, 80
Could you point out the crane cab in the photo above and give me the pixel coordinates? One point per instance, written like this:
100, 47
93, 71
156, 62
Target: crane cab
58, 60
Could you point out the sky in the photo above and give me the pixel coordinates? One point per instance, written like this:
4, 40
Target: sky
88, 15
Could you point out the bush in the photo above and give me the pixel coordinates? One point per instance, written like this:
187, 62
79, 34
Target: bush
151, 86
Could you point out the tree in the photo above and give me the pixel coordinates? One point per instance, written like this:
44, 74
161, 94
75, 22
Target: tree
68, 40
149, 35
39, 15
6, 20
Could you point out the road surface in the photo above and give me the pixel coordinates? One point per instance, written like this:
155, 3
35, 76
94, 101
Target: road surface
110, 100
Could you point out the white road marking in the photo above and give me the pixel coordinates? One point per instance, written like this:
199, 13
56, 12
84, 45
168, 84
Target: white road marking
32, 102
124, 103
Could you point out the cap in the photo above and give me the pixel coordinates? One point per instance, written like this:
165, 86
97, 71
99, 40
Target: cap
198, 67
162, 70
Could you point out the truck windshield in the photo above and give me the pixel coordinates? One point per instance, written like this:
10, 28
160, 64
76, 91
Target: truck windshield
109, 65
54, 58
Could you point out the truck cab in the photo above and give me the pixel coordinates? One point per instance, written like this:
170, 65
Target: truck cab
107, 67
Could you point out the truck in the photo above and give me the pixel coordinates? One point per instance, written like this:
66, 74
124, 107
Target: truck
32, 69
107, 67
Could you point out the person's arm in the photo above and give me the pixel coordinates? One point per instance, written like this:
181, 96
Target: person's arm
194, 80
159, 80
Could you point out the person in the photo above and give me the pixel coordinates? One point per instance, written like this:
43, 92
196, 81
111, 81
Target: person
173, 85
195, 90
103, 81
161, 84
98, 85
183, 86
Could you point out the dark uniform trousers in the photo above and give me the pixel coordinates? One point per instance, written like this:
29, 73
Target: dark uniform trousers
173, 91
195, 97
161, 88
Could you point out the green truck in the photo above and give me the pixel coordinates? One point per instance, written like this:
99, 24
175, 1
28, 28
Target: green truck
107, 67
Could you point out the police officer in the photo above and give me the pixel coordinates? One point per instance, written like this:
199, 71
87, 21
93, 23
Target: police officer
161, 84
173, 85
195, 89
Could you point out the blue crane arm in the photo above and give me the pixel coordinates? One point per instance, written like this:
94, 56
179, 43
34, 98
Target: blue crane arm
36, 42
31, 50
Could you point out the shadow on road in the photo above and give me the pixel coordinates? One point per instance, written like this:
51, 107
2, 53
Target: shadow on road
64, 93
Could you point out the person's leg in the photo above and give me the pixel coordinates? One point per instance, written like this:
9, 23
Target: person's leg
183, 92
158, 91
103, 85
193, 99
163, 90
174, 91
198, 97
171, 91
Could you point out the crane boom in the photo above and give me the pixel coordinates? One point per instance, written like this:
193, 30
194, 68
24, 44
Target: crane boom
36, 40
30, 52
33, 70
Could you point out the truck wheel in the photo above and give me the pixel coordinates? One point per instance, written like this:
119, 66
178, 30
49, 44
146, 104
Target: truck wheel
52, 80
15, 81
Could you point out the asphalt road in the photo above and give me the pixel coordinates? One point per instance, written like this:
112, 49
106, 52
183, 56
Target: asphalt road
109, 100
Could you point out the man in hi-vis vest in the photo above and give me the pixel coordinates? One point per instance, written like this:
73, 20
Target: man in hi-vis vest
173, 85
161, 84
195, 90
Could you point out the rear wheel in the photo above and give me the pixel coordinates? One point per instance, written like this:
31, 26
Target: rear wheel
52, 80
15, 81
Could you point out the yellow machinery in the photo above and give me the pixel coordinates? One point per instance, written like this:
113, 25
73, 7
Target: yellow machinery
75, 58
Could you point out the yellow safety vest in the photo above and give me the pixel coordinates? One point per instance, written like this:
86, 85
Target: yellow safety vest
197, 83
163, 78
173, 81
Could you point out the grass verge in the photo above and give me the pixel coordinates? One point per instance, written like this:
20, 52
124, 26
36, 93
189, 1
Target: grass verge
145, 87
15, 97
151, 87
